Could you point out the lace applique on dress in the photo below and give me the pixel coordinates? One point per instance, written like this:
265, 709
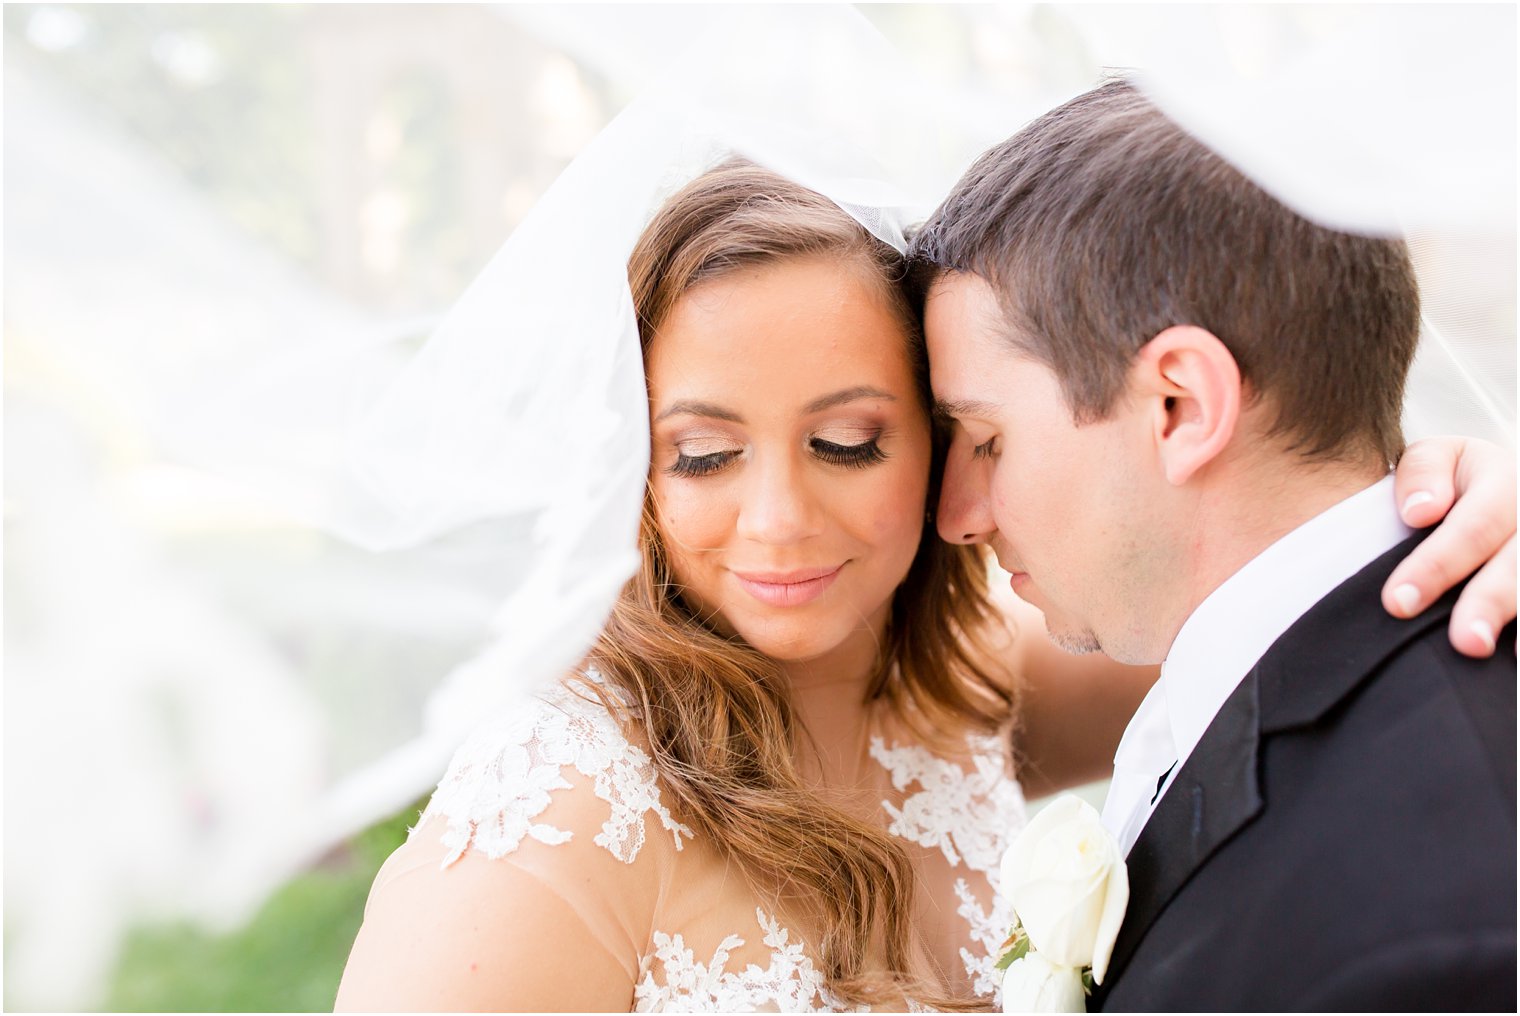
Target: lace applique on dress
502, 781
971, 817
501, 778
790, 983
989, 929
966, 815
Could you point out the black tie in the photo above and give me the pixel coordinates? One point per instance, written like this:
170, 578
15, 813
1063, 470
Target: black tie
1161, 782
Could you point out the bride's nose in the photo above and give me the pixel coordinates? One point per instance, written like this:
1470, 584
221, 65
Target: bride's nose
779, 504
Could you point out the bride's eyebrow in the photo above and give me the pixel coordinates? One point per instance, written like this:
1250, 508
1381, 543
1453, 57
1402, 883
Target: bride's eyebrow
844, 395
693, 407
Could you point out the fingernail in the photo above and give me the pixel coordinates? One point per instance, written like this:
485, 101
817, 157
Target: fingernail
1416, 499
1485, 633
1407, 597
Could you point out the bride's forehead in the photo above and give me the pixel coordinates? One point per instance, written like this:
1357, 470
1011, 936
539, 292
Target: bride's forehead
801, 310
783, 368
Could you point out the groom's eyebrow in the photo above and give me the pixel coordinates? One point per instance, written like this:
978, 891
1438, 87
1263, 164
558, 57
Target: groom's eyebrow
956, 409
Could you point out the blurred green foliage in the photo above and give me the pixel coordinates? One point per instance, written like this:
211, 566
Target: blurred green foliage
240, 100
289, 958
244, 135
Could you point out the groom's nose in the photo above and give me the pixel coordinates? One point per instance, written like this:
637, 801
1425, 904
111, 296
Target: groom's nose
965, 508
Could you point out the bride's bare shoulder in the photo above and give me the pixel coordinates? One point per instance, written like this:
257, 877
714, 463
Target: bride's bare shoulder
546, 841
485, 935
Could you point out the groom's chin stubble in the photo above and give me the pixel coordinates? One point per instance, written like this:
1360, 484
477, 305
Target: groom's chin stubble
1078, 643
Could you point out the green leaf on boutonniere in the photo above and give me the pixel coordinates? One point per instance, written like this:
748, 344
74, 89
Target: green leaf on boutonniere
1014, 948
1087, 981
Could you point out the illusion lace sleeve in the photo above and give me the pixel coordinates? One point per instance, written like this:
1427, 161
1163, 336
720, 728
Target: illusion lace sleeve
532, 879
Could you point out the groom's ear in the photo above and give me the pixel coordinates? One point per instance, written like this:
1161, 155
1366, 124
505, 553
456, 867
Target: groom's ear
1189, 385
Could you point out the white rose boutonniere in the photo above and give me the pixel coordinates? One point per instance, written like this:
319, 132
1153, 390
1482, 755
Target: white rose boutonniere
1068, 885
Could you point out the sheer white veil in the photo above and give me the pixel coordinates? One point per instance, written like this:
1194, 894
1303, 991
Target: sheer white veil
494, 475
1373, 118
520, 427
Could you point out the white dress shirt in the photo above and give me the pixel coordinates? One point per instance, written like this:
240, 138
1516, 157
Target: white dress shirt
1229, 631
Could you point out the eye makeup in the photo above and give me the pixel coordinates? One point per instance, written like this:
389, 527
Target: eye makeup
700, 465
856, 456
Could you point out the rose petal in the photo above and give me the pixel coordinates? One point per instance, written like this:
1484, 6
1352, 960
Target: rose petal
1059, 875
1034, 984
1114, 903
1060, 924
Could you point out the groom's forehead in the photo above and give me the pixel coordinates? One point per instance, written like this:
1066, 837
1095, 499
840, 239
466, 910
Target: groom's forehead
962, 313
966, 351
974, 353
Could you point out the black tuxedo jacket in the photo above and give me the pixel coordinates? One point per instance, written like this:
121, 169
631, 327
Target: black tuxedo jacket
1343, 836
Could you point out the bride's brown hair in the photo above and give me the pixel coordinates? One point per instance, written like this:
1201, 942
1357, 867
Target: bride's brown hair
717, 713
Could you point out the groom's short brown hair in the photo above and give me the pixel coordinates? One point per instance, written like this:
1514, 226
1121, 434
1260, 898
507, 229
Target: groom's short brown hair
1103, 223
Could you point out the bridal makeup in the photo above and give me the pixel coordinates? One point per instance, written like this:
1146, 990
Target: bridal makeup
790, 454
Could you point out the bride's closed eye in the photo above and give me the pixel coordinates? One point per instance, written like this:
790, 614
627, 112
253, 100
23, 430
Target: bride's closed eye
858, 456
701, 465
704, 458
850, 445
701, 456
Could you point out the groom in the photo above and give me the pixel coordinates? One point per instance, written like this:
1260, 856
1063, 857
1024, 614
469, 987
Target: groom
1176, 404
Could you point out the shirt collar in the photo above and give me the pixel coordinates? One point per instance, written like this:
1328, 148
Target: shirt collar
1238, 622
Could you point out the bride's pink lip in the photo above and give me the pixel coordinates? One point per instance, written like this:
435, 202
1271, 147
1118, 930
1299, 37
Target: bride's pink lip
788, 589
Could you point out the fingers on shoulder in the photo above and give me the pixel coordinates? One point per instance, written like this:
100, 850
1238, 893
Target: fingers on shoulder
1486, 605
1424, 482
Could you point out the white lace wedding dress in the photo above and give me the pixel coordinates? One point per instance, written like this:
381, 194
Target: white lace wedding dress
564, 797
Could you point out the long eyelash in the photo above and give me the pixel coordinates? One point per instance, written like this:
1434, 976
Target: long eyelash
856, 456
700, 465
983, 450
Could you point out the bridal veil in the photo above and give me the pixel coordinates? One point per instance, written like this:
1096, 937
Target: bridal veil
491, 479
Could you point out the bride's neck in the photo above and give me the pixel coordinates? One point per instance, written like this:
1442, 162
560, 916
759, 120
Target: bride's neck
851, 663
828, 696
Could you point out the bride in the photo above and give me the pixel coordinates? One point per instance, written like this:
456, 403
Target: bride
784, 775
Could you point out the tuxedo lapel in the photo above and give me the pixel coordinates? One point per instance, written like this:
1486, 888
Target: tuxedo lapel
1340, 643
1324, 657
1212, 796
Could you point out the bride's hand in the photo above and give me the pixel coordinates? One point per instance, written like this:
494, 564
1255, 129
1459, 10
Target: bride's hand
1471, 483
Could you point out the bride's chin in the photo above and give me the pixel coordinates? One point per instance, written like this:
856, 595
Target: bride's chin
802, 643
796, 654
784, 643
785, 648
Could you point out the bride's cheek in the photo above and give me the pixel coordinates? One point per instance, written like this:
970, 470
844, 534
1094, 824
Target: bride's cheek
897, 510
693, 525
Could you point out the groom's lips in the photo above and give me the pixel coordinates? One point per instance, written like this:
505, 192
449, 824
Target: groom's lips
1017, 579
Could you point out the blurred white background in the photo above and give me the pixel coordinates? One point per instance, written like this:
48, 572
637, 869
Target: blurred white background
191, 678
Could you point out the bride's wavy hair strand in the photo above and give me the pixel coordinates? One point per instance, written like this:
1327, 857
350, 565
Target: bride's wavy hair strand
717, 713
